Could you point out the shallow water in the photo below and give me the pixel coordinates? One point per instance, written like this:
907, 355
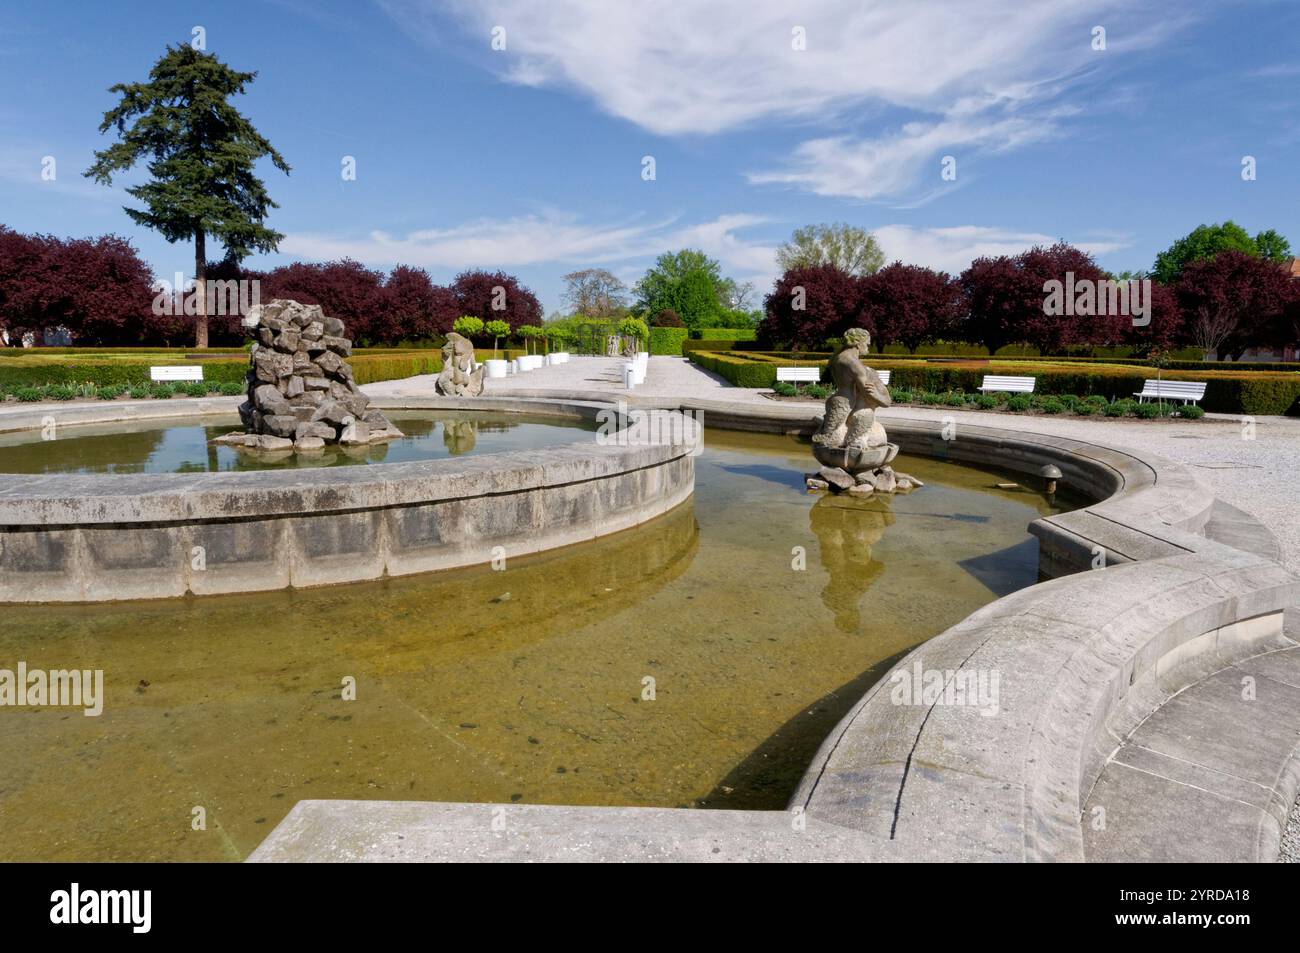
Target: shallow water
522, 685
181, 445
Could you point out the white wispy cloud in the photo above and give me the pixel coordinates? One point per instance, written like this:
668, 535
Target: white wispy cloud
890, 165
549, 238
704, 66
978, 75
23, 167
952, 249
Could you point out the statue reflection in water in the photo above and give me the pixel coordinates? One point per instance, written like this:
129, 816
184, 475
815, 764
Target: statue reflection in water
459, 436
846, 528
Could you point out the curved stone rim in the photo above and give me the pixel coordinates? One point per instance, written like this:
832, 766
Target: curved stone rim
73, 538
59, 500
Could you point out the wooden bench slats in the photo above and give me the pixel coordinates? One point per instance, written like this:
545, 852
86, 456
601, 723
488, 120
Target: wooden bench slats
1016, 385
1186, 391
798, 373
176, 372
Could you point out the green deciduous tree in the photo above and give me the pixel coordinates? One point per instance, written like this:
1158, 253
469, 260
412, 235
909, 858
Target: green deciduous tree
201, 154
1273, 246
635, 329
688, 282
1207, 241
468, 326
498, 329
851, 249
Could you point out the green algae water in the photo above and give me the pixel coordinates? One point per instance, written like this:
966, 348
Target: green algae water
182, 445
696, 661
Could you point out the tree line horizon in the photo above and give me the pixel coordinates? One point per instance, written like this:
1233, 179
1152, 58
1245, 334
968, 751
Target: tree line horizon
1217, 288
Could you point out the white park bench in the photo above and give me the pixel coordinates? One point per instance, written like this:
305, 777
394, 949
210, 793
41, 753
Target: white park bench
805, 375
1186, 391
176, 372
1007, 385
799, 374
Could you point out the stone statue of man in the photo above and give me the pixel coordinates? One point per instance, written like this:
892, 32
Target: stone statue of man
850, 419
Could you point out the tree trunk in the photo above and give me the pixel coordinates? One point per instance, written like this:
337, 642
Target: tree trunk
200, 288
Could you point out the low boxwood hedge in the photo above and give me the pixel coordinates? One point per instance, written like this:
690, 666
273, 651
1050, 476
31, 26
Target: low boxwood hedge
22, 376
1227, 391
724, 334
737, 370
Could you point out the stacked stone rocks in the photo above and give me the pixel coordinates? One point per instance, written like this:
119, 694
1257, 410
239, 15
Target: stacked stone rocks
301, 392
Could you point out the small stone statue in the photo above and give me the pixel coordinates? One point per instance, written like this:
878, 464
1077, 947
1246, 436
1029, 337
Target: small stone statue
457, 379
851, 444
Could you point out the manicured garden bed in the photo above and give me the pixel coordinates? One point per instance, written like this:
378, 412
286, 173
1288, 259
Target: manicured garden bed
1229, 391
106, 374
1047, 404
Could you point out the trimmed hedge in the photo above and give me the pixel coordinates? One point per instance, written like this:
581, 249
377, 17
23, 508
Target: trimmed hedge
1263, 393
712, 344
738, 370
373, 368
16, 374
21, 374
668, 340
724, 334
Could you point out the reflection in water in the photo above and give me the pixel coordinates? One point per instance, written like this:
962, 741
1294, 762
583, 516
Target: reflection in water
181, 445
846, 529
459, 436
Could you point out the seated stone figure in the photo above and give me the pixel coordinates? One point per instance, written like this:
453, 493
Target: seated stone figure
456, 379
850, 420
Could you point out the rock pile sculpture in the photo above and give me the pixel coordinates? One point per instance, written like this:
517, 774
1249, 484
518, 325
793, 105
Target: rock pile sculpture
301, 391
851, 445
457, 379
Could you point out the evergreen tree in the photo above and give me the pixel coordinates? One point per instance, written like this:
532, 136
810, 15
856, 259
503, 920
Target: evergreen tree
200, 152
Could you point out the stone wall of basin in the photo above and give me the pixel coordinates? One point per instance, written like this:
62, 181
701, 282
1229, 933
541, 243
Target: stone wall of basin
74, 538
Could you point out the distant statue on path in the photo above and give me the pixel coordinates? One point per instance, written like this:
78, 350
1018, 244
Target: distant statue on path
459, 377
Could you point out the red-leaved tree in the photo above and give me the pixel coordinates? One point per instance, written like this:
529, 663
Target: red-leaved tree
1007, 299
96, 288
1234, 301
908, 304
480, 292
809, 305
416, 308
344, 289
1165, 330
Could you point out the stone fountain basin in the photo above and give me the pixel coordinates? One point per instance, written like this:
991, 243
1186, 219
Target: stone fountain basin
855, 459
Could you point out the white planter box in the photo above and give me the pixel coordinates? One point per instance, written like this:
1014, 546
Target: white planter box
497, 368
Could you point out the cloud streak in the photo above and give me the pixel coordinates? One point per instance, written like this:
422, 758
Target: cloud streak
952, 249
548, 238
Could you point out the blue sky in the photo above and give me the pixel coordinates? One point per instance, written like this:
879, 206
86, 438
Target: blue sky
529, 159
